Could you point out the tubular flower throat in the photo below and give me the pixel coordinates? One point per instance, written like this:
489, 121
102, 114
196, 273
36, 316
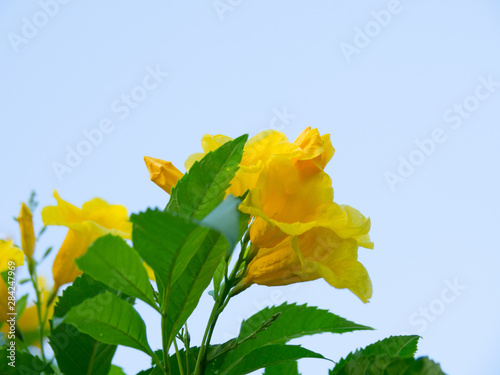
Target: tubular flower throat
301, 234
96, 218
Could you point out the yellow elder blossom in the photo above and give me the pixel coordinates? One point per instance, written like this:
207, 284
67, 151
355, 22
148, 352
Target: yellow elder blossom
310, 152
289, 201
318, 253
294, 216
96, 218
9, 252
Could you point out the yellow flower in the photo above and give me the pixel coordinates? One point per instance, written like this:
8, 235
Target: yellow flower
96, 218
4, 295
25, 220
318, 253
288, 202
309, 151
9, 252
163, 173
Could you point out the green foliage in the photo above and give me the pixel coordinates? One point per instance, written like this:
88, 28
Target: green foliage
184, 264
272, 327
386, 365
76, 352
198, 192
391, 356
288, 368
24, 363
111, 261
265, 356
110, 320
391, 347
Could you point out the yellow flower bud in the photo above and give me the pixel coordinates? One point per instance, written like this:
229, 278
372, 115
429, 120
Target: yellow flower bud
163, 173
28, 239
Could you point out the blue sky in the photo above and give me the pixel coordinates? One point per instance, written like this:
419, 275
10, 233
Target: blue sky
409, 91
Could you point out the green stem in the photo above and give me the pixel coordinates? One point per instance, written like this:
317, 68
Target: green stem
165, 343
38, 303
220, 304
179, 360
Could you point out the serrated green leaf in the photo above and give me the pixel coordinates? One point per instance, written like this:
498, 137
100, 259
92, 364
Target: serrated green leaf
198, 192
186, 291
22, 363
110, 320
288, 368
294, 321
265, 356
184, 257
77, 353
166, 242
111, 261
391, 347
386, 365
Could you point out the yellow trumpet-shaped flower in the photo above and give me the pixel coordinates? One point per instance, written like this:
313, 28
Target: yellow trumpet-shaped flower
310, 151
318, 253
25, 220
4, 299
96, 218
289, 202
9, 252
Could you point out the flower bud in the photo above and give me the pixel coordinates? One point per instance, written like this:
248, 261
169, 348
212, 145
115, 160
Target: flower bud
28, 240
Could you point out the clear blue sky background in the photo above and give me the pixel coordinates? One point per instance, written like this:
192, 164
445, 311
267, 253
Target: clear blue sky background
230, 73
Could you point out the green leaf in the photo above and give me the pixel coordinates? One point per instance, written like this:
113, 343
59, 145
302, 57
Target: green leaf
111, 261
198, 192
22, 363
386, 365
186, 291
294, 321
288, 321
391, 347
116, 370
265, 356
110, 320
166, 242
184, 257
77, 353
288, 368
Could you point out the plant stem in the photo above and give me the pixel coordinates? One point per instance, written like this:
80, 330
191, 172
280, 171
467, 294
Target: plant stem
220, 304
179, 360
165, 345
38, 303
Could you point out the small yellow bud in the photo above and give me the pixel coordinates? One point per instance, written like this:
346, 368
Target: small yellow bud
28, 240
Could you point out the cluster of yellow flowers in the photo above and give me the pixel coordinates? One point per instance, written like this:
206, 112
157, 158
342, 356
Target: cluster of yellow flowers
298, 232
